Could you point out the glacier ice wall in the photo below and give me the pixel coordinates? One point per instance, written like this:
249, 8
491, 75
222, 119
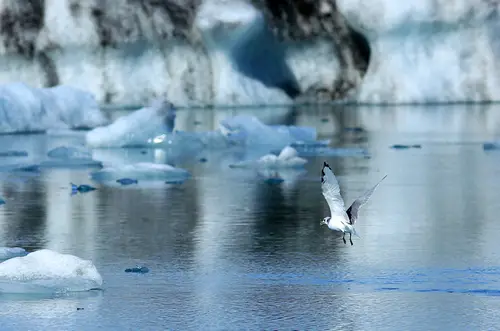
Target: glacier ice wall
428, 50
206, 52
193, 52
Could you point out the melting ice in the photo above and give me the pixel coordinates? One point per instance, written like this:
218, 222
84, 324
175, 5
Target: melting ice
46, 271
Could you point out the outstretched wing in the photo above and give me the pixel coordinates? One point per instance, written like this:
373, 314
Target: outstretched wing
331, 190
352, 212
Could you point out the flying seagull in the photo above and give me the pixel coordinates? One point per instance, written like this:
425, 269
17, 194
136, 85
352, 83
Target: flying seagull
340, 219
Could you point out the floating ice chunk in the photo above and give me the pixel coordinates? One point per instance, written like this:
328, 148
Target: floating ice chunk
333, 151
84, 188
46, 271
64, 152
491, 146
10, 252
127, 181
28, 109
139, 270
69, 157
20, 167
13, 154
286, 159
147, 126
399, 146
141, 171
249, 131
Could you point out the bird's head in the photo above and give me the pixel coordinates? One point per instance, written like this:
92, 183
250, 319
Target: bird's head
325, 220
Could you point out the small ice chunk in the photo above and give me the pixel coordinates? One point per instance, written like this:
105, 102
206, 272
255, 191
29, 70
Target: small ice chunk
141, 171
490, 146
63, 152
13, 154
127, 181
333, 151
147, 126
400, 146
10, 252
70, 157
81, 188
46, 271
140, 270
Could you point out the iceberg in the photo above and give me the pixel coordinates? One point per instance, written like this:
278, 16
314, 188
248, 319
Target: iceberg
153, 127
46, 271
69, 157
10, 252
143, 127
249, 131
28, 109
142, 172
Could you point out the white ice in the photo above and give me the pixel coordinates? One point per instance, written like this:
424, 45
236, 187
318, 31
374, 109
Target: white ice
428, 50
26, 109
249, 131
47, 271
141, 171
139, 128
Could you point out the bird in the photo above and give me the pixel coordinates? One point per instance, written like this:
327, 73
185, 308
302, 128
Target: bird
340, 219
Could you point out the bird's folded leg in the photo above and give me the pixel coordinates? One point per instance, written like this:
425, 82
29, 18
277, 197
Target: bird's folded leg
343, 238
350, 239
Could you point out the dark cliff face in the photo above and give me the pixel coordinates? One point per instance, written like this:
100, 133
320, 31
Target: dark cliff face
20, 24
167, 19
308, 19
157, 22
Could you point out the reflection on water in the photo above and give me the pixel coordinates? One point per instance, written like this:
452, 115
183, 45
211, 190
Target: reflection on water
228, 250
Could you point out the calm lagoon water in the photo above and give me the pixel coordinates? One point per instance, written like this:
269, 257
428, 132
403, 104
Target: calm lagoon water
228, 251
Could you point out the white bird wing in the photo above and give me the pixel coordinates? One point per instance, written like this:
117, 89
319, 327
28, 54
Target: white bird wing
353, 210
331, 190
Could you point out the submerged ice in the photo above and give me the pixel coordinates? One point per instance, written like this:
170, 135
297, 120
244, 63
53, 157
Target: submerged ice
141, 171
46, 271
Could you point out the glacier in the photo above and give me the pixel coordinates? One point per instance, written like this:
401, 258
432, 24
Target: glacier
47, 271
201, 53
254, 52
428, 51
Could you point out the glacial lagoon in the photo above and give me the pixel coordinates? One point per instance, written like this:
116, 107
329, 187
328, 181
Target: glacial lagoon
228, 250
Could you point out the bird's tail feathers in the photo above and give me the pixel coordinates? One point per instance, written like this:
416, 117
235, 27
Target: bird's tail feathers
355, 233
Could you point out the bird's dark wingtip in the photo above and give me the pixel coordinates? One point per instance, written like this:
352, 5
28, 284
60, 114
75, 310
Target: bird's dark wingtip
323, 171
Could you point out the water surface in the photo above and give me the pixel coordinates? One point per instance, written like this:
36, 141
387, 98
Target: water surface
228, 251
